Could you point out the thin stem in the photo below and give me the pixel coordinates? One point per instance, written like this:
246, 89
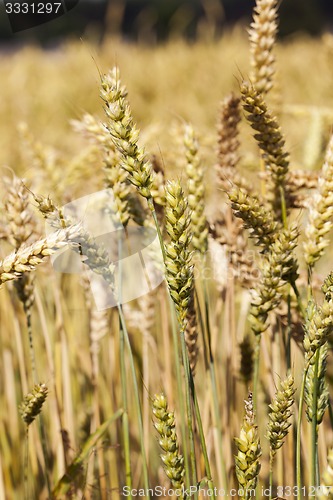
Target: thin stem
157, 226
136, 400
298, 436
45, 453
299, 300
128, 473
123, 376
271, 478
283, 208
180, 393
26, 464
256, 371
212, 373
189, 415
314, 426
31, 346
288, 346
201, 434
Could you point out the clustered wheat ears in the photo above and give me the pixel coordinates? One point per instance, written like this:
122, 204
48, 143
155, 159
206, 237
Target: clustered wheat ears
321, 392
196, 192
124, 133
270, 141
248, 453
262, 36
320, 213
179, 271
277, 267
173, 461
279, 415
32, 404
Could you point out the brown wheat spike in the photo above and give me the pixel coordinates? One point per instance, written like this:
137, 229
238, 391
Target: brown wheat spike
32, 404
179, 271
248, 453
173, 461
270, 141
191, 334
262, 35
124, 133
320, 213
255, 216
228, 143
322, 387
20, 229
278, 266
19, 218
196, 192
279, 415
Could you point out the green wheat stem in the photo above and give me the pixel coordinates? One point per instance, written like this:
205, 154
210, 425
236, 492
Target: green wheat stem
180, 393
283, 208
201, 433
127, 454
26, 464
136, 399
288, 348
298, 435
188, 388
212, 372
40, 420
270, 479
298, 297
188, 406
123, 376
314, 426
45, 453
151, 207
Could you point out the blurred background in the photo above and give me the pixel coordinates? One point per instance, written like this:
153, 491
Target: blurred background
153, 21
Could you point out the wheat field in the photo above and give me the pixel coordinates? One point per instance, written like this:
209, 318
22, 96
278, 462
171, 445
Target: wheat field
218, 381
